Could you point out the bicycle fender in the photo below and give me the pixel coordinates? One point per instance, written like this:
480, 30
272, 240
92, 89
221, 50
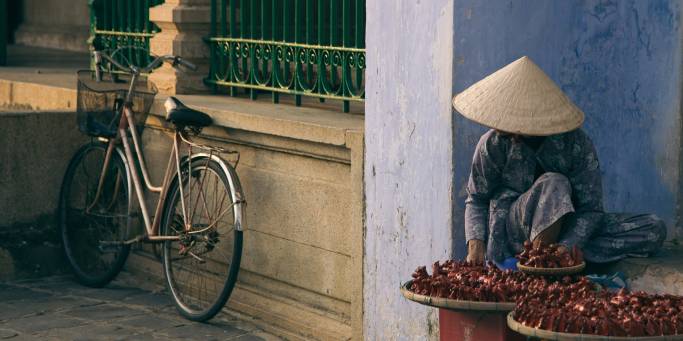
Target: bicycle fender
234, 182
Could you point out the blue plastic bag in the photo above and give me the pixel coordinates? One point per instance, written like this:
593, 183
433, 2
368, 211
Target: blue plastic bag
507, 264
613, 282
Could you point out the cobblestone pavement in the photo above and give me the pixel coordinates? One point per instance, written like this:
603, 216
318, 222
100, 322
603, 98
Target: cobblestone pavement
57, 308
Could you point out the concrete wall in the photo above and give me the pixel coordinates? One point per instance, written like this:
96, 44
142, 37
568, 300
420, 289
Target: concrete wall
62, 24
301, 169
620, 61
35, 149
301, 267
408, 164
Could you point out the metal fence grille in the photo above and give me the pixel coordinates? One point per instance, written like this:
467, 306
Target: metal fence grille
3, 31
116, 23
300, 47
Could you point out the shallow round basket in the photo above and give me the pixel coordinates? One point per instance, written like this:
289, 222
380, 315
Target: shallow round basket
448, 303
557, 336
570, 270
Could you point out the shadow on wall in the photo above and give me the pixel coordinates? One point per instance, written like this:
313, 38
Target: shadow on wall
15, 16
37, 149
618, 60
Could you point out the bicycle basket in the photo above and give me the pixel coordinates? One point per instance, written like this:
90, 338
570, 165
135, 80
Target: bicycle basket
99, 102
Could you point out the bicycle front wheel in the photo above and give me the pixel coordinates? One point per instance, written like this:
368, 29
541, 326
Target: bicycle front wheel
201, 267
93, 224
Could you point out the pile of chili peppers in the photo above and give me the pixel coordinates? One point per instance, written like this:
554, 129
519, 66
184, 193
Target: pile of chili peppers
585, 311
549, 256
475, 282
569, 304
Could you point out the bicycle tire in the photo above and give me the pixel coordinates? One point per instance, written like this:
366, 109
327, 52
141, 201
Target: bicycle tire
186, 293
78, 227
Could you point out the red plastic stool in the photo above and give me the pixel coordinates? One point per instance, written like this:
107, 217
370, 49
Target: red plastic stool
475, 326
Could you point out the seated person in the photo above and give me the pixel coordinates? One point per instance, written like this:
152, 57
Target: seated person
535, 176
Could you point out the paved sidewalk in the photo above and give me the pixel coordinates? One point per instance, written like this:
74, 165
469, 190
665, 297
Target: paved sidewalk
57, 308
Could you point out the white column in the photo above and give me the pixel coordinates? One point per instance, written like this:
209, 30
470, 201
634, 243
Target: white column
408, 160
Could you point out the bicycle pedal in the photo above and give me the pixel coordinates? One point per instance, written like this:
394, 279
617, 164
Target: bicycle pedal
200, 259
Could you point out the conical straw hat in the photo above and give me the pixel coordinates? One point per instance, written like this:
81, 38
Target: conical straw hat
520, 99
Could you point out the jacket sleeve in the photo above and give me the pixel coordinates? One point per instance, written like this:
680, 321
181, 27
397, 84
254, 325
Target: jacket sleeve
485, 176
586, 182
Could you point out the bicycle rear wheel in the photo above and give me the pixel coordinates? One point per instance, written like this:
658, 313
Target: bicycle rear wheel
201, 268
93, 231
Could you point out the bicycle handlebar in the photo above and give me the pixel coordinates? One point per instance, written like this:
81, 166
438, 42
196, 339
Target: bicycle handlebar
185, 63
173, 60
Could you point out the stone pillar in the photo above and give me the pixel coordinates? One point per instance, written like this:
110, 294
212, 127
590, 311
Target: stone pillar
183, 24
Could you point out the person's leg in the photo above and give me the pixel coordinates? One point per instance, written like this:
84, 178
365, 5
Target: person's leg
626, 235
537, 214
497, 248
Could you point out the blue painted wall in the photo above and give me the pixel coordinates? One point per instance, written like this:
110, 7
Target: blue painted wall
408, 160
618, 60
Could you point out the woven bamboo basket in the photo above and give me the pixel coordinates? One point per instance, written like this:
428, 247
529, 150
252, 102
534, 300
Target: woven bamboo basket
552, 271
557, 336
451, 304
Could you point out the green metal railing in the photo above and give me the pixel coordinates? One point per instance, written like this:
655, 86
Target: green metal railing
299, 47
116, 23
3, 31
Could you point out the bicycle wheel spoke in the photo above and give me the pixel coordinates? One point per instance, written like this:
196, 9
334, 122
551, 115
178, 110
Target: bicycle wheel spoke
226, 210
200, 262
200, 188
206, 209
93, 240
220, 206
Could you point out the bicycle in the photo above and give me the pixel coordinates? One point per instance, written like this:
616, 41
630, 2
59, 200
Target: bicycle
200, 212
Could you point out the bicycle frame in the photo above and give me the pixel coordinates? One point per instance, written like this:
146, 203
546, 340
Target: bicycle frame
127, 123
151, 226
200, 212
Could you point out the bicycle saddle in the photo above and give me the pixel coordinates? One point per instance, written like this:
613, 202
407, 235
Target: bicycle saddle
180, 115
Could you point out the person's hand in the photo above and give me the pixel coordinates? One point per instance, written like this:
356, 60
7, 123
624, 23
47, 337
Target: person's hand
561, 249
475, 251
569, 257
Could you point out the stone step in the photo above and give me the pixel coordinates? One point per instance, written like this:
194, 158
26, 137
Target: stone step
662, 273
